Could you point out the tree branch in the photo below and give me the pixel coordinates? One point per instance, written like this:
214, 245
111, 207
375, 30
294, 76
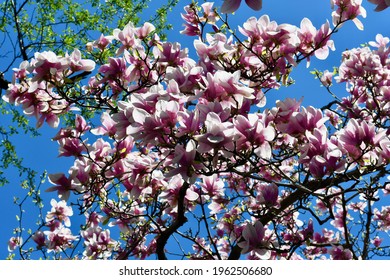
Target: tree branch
314, 185
180, 220
3, 83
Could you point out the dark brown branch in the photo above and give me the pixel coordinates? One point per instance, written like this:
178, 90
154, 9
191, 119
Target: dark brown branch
180, 220
3, 82
22, 48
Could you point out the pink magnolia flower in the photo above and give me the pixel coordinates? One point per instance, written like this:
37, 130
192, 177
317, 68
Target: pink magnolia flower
254, 133
171, 194
108, 126
380, 41
219, 135
208, 13
47, 66
71, 147
312, 39
382, 4
13, 243
143, 31
183, 162
59, 239
155, 127
100, 43
282, 113
59, 211
98, 243
181, 79
171, 54
230, 6
21, 72
78, 64
299, 123
115, 69
226, 88
39, 239
216, 45
81, 125
339, 253
63, 185
191, 25
383, 217
253, 236
322, 154
188, 122
357, 137
82, 170
100, 150
377, 241
127, 37
348, 10
328, 236
213, 186
326, 79
268, 194
340, 220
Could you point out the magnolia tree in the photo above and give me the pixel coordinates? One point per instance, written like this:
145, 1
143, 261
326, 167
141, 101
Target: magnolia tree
188, 162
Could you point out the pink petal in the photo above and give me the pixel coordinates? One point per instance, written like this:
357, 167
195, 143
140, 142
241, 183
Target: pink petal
191, 195
230, 6
255, 4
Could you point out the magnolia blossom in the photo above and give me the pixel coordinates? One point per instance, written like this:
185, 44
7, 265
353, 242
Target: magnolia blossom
339, 253
226, 88
171, 194
108, 126
127, 37
253, 236
268, 194
78, 64
326, 78
59, 211
184, 158
358, 138
311, 39
14, 242
253, 133
348, 9
100, 43
383, 217
219, 135
63, 185
377, 241
39, 238
191, 27
59, 239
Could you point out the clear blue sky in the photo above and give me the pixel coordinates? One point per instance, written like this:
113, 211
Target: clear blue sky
41, 153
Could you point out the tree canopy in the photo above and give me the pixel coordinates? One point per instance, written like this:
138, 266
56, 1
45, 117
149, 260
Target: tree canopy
183, 157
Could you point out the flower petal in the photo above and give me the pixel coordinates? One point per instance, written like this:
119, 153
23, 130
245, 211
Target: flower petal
255, 4
230, 6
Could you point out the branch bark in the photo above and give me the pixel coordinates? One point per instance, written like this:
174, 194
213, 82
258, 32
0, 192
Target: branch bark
3, 83
180, 220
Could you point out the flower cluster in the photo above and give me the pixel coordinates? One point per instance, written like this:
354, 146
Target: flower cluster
58, 237
38, 95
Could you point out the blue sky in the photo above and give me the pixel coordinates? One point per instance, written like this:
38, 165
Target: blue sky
41, 153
